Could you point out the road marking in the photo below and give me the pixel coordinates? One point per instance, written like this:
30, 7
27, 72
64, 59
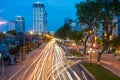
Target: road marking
43, 64
16, 73
24, 74
35, 60
63, 76
76, 75
84, 75
69, 76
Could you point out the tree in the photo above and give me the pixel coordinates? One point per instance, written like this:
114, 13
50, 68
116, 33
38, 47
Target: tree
2, 35
63, 31
115, 42
13, 32
89, 32
96, 12
75, 35
14, 51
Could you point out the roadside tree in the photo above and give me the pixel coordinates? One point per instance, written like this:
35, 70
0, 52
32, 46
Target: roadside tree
96, 12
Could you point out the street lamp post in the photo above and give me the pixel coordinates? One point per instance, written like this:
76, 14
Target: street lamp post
2, 23
110, 38
24, 44
31, 33
105, 35
3, 67
20, 53
5, 36
2, 64
90, 51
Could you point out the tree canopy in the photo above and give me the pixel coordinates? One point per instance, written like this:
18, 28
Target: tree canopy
115, 42
13, 32
63, 31
76, 36
66, 32
96, 12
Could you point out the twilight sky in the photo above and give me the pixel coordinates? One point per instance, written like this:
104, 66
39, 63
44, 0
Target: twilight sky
57, 10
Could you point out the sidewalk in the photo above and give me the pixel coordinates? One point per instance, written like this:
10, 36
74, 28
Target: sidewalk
9, 71
12, 69
109, 62
113, 65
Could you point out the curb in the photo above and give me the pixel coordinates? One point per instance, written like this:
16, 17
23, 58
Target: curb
110, 70
93, 78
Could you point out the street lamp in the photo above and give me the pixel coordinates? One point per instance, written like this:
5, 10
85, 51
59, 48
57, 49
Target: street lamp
105, 35
110, 38
32, 33
96, 38
90, 32
90, 51
4, 32
39, 34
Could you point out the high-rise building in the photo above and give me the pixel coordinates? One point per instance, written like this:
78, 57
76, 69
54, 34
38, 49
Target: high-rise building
75, 25
68, 20
12, 25
115, 28
39, 18
20, 24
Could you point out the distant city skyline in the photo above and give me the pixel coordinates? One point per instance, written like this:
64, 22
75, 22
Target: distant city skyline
57, 11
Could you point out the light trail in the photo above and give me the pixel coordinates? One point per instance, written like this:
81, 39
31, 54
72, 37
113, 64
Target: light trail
37, 59
59, 61
76, 75
16, 73
59, 58
64, 77
42, 67
69, 76
25, 72
52, 64
71, 68
49, 65
67, 67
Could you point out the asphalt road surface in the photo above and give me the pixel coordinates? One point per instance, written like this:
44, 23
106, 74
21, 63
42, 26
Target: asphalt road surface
50, 63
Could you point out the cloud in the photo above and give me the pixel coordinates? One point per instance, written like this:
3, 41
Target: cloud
3, 22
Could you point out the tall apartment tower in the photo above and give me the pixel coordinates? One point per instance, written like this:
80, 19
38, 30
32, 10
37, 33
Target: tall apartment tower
20, 27
12, 25
39, 18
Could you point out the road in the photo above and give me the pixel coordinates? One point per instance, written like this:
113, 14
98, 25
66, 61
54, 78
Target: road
50, 63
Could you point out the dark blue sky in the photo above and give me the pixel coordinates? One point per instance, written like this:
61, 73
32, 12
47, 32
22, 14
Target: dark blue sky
57, 10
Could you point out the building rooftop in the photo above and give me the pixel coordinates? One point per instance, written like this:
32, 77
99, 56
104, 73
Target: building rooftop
38, 4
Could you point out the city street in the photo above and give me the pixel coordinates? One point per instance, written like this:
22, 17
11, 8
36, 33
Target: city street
108, 61
48, 64
60, 40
